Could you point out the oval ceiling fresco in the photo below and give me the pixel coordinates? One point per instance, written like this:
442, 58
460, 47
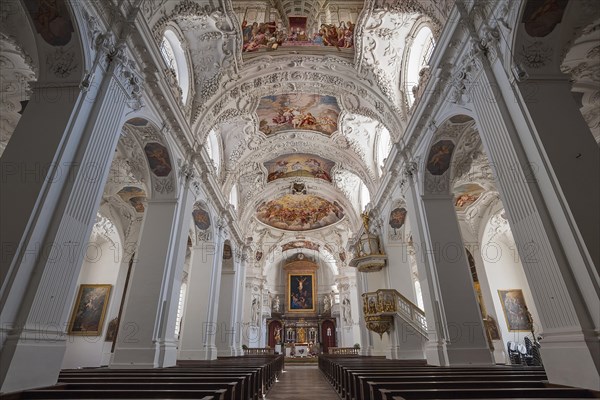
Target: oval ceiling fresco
299, 165
296, 212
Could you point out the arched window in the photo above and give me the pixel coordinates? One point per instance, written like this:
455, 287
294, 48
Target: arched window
182, 293
233, 197
384, 144
214, 150
418, 57
172, 52
364, 197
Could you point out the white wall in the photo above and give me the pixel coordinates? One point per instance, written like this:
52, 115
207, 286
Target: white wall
101, 266
504, 271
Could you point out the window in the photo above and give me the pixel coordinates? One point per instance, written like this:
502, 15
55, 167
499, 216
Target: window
233, 197
180, 309
384, 145
363, 196
172, 52
418, 57
213, 149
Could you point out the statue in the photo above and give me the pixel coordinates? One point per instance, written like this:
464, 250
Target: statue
277, 335
326, 303
255, 311
276, 304
346, 310
302, 335
365, 219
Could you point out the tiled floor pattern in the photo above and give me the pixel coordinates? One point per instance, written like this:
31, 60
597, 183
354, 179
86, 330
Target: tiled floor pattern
302, 382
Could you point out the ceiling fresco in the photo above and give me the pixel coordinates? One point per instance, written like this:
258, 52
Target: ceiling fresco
158, 158
299, 212
299, 165
134, 196
300, 244
298, 111
467, 194
272, 36
297, 24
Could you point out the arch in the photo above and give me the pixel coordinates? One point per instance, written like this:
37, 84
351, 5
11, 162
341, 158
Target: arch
438, 163
158, 156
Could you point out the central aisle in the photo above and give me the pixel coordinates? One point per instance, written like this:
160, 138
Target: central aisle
302, 382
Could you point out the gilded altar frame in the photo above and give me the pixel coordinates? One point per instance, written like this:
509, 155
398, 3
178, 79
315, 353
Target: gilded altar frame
301, 275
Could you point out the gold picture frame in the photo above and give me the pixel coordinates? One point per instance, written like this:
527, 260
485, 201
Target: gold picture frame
301, 290
87, 318
515, 310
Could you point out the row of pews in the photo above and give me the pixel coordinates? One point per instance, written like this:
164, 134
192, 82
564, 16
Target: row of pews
232, 378
374, 378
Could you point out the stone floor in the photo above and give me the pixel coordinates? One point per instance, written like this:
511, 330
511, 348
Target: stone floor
302, 382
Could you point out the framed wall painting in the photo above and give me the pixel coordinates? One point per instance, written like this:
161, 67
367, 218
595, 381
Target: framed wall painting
88, 314
301, 292
515, 310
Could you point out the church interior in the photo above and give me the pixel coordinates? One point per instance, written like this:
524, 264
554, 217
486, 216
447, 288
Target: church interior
307, 199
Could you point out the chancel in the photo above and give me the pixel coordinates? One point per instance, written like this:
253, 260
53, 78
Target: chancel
308, 199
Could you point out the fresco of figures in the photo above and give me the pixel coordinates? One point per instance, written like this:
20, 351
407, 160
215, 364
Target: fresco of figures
270, 36
542, 16
300, 244
201, 217
397, 218
300, 164
299, 212
52, 20
298, 111
467, 194
134, 196
440, 156
158, 158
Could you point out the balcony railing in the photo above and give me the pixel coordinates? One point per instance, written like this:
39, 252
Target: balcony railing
382, 304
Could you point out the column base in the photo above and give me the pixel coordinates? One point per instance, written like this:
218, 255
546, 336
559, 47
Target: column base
571, 359
435, 353
29, 363
469, 356
144, 357
167, 354
230, 352
209, 353
499, 354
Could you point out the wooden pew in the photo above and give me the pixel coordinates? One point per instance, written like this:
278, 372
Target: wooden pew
232, 378
368, 378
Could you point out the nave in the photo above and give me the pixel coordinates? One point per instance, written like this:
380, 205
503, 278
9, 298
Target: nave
302, 382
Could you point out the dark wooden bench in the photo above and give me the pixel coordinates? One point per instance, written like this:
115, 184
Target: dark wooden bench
367, 378
509, 393
232, 378
218, 394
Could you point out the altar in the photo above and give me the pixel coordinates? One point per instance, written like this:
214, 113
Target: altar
299, 346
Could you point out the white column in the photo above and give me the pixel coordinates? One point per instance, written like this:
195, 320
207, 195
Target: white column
59, 182
366, 340
225, 334
466, 341
563, 283
146, 337
435, 348
239, 304
167, 342
197, 339
210, 348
